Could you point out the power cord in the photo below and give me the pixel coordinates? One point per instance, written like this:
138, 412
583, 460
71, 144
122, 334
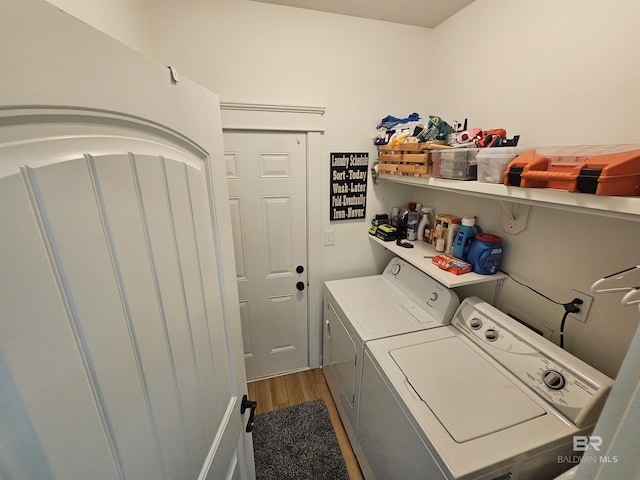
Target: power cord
570, 307
532, 289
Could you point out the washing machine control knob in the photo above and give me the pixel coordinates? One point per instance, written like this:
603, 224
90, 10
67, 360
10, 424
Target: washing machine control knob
395, 269
491, 335
475, 323
554, 380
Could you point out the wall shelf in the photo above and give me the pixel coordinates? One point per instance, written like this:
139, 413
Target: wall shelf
625, 208
420, 257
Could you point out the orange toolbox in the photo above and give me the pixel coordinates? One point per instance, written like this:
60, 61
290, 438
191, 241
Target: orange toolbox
598, 169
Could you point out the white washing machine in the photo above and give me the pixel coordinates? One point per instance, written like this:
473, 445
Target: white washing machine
357, 310
483, 398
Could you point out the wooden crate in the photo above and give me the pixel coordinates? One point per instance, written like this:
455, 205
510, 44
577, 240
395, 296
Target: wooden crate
389, 162
411, 147
410, 159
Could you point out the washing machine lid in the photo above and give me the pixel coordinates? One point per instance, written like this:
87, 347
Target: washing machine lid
469, 396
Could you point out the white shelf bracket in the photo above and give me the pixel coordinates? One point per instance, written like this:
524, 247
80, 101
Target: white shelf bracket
514, 216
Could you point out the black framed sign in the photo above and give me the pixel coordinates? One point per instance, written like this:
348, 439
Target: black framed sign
348, 195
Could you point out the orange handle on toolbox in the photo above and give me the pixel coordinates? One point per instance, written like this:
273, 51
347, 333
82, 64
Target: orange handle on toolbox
544, 175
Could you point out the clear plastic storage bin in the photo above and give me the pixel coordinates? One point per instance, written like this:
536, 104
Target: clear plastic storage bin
436, 160
493, 161
459, 163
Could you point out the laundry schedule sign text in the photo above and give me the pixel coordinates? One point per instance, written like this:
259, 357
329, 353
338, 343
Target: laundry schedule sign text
348, 194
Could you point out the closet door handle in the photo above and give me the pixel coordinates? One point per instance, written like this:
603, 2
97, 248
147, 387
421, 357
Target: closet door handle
246, 403
300, 286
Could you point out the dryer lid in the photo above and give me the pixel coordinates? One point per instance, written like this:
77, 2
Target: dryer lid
377, 308
470, 397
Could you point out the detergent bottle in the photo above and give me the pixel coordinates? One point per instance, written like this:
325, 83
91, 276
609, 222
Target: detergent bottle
465, 235
485, 253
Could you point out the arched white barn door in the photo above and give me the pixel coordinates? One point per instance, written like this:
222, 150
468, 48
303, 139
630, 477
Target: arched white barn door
120, 351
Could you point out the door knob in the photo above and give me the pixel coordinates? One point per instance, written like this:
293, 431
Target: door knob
246, 403
300, 286
299, 269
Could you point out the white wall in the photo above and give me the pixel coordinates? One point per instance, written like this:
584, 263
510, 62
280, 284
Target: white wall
553, 72
557, 73
360, 70
124, 20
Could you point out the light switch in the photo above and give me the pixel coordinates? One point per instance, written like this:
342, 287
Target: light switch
328, 238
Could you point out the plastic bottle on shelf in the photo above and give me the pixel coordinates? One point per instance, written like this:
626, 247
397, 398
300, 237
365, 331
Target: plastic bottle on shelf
395, 213
424, 221
454, 226
412, 225
439, 239
465, 235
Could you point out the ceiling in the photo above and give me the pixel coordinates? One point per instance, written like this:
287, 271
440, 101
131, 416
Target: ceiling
421, 13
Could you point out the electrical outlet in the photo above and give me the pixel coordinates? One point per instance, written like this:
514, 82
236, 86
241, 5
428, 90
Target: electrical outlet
585, 306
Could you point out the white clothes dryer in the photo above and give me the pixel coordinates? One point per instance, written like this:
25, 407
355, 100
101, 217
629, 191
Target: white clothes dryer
357, 310
483, 398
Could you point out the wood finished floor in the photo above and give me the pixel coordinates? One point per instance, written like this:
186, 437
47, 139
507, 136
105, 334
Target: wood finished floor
294, 388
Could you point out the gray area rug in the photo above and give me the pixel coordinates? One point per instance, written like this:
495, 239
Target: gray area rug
297, 443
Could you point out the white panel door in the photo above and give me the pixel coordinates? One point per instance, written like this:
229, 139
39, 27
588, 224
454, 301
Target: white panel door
120, 342
266, 174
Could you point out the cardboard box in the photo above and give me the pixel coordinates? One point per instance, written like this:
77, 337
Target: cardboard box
451, 264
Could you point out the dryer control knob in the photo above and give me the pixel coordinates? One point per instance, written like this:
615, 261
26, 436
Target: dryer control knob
554, 380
